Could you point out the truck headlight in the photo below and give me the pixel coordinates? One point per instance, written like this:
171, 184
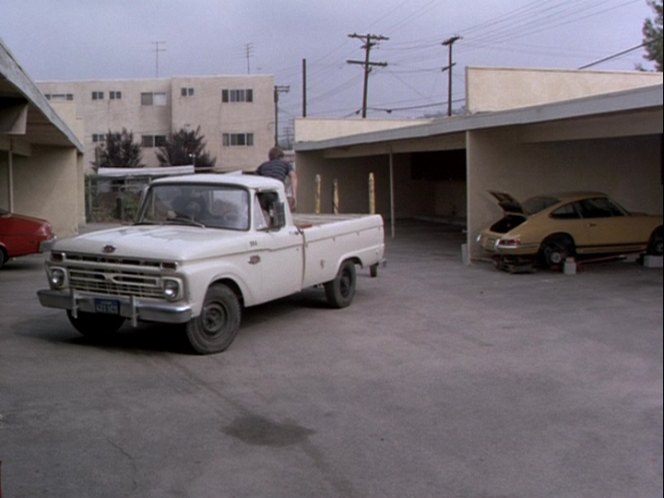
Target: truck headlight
171, 289
57, 278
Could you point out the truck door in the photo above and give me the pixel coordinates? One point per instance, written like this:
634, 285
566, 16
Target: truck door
278, 252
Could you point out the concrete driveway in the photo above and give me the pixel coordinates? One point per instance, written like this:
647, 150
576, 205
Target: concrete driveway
439, 381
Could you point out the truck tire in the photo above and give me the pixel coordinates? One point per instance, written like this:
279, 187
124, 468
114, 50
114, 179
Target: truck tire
95, 324
340, 291
215, 328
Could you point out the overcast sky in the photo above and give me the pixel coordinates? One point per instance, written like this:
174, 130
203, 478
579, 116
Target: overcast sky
115, 39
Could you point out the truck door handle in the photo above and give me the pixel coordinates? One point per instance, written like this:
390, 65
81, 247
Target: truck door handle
254, 260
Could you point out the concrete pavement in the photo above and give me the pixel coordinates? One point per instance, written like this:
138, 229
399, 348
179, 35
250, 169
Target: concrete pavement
439, 381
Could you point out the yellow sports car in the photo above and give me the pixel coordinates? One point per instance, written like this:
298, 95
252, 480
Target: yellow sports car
547, 229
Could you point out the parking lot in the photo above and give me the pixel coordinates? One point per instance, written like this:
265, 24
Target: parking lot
440, 380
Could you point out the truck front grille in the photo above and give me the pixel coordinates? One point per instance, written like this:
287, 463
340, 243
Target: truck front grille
122, 283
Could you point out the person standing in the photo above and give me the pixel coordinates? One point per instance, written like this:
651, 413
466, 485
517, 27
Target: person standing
277, 167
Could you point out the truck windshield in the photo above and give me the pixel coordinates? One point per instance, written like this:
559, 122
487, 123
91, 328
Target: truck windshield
214, 206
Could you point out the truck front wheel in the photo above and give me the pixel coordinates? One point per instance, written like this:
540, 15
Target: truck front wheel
215, 328
340, 291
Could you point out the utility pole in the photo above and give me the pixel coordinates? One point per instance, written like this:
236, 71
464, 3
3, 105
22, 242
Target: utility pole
368, 43
156, 50
248, 52
277, 90
448, 43
304, 88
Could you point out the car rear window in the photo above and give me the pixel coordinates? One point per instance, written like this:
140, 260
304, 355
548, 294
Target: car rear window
537, 204
566, 212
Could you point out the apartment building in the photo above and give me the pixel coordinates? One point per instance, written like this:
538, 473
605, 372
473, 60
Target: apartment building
235, 114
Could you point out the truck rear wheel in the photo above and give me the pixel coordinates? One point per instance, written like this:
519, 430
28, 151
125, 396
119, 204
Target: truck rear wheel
95, 324
340, 291
215, 328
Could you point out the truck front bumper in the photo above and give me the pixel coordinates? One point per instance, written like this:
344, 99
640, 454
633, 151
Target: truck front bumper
132, 308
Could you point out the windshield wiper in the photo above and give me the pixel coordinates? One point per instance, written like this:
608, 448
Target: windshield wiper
188, 221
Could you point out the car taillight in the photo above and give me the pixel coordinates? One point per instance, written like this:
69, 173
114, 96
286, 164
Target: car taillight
46, 231
508, 243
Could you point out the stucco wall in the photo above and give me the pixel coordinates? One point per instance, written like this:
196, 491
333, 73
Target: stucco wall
47, 185
450, 199
628, 169
312, 129
496, 89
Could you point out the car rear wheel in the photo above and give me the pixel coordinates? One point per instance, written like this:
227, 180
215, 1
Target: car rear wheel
3, 257
655, 246
95, 324
555, 250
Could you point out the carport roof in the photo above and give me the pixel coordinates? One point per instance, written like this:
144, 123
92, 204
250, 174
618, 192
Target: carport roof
636, 100
43, 126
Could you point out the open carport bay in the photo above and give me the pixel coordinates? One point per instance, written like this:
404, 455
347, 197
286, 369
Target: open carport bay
439, 380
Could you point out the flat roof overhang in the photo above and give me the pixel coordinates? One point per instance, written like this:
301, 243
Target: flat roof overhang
626, 113
28, 115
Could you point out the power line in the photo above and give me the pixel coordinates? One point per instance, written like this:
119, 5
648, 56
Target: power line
613, 56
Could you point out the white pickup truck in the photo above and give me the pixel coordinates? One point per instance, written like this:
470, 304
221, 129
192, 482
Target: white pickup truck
203, 248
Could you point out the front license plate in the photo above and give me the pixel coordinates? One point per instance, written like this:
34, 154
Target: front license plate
108, 306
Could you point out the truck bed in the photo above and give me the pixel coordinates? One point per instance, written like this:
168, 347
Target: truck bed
330, 239
308, 220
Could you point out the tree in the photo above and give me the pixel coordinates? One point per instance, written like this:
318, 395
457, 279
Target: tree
652, 35
118, 151
186, 147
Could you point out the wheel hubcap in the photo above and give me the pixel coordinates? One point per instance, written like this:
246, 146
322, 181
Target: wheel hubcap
213, 319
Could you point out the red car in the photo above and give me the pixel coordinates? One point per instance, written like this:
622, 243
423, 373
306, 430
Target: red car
23, 235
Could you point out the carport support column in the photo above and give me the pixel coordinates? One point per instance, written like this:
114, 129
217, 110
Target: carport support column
391, 156
10, 178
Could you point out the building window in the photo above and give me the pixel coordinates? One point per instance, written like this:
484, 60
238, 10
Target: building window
153, 140
238, 139
59, 97
237, 95
186, 92
115, 95
154, 98
98, 137
97, 95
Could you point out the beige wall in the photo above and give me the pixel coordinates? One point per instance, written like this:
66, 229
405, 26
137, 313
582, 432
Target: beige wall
215, 118
312, 129
47, 184
204, 108
450, 199
496, 89
628, 169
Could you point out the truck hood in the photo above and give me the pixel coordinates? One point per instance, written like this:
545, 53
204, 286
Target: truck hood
157, 242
